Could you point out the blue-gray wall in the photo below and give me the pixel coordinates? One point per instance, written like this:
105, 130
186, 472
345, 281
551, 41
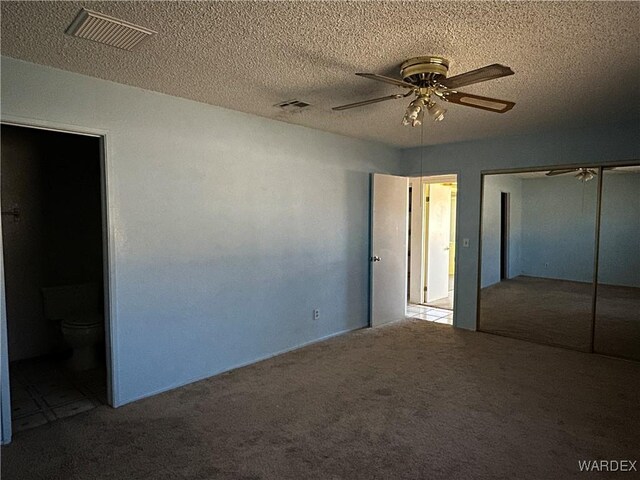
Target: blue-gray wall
603, 144
559, 227
226, 229
619, 257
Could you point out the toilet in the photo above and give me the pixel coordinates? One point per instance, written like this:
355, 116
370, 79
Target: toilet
78, 310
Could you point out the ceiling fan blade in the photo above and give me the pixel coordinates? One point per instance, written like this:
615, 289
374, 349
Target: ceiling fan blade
476, 101
476, 76
382, 78
553, 173
368, 102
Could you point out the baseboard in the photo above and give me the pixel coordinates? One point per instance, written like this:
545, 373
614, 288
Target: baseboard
121, 402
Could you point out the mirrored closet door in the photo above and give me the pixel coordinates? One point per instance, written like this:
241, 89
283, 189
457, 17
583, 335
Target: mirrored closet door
617, 320
546, 235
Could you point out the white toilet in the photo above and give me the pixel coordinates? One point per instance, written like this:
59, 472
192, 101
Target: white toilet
78, 308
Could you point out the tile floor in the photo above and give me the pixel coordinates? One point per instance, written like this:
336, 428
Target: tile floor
431, 314
43, 391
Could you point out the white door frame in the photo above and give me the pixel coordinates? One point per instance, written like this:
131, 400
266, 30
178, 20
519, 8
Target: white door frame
439, 177
109, 269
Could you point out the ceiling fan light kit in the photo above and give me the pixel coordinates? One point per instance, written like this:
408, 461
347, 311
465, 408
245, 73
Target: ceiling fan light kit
426, 78
586, 174
414, 115
436, 111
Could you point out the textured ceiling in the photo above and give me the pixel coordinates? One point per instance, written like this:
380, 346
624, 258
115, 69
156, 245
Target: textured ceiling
576, 63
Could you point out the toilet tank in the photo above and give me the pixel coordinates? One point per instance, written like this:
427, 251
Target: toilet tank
66, 300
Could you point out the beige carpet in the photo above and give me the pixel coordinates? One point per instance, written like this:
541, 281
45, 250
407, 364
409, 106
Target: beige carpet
559, 312
413, 400
618, 321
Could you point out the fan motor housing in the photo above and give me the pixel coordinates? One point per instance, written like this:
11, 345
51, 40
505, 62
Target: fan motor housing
424, 71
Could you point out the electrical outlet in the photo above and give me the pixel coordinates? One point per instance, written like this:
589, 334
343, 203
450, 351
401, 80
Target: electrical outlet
316, 314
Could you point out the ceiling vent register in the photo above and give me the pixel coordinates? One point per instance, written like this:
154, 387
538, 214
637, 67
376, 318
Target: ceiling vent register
110, 31
292, 105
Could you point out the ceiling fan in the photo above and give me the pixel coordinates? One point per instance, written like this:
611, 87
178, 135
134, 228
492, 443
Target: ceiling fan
426, 78
583, 174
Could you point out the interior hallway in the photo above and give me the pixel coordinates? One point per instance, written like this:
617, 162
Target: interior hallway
410, 400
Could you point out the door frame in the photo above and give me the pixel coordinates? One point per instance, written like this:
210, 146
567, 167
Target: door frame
109, 271
438, 178
442, 178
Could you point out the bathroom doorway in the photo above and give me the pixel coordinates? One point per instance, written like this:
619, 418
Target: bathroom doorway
54, 255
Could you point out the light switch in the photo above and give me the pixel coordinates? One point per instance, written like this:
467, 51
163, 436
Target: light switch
465, 242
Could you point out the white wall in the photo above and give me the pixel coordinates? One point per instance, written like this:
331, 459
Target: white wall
494, 185
603, 144
227, 229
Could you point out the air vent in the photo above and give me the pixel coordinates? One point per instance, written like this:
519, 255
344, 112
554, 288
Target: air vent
108, 30
292, 105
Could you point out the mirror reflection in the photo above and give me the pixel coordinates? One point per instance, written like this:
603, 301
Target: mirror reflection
617, 326
538, 241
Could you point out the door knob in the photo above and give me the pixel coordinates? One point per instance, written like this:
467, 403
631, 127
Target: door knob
375, 259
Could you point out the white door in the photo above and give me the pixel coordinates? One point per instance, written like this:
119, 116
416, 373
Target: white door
388, 248
439, 233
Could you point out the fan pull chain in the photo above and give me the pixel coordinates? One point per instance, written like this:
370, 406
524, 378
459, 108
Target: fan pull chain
421, 151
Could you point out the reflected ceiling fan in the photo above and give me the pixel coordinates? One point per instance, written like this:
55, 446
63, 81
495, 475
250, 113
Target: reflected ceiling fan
583, 174
426, 78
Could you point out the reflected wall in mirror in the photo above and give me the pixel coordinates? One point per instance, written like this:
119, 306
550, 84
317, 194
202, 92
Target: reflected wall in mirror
537, 257
617, 325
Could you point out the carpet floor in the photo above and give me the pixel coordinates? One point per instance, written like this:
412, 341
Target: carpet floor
559, 312
412, 400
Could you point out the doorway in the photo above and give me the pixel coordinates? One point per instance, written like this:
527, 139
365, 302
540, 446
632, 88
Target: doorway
400, 244
53, 244
432, 268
